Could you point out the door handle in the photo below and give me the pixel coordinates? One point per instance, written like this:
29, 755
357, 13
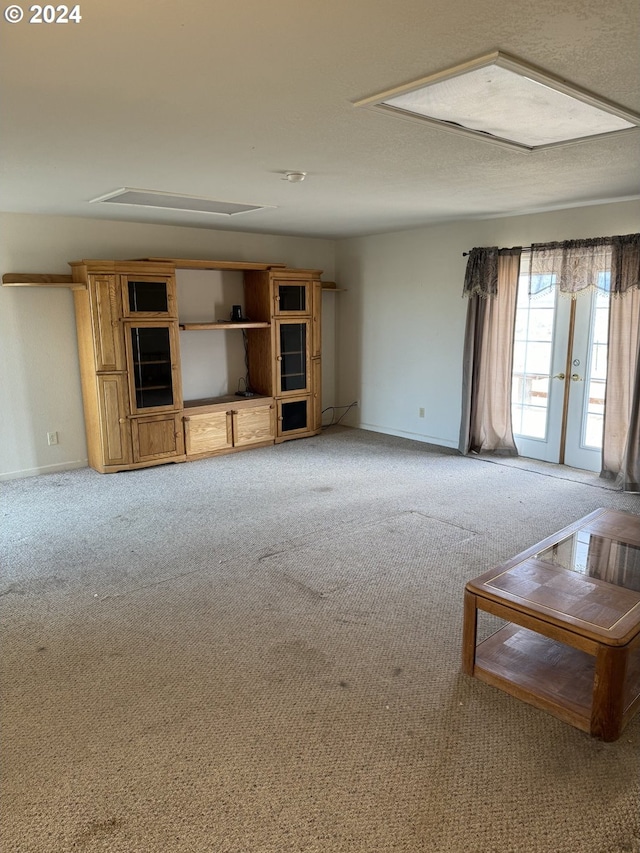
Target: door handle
559, 376
576, 378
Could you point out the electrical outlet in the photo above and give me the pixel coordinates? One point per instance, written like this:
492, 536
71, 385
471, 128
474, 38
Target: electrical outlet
420, 412
52, 438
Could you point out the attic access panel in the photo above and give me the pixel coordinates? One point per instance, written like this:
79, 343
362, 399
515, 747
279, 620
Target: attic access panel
502, 100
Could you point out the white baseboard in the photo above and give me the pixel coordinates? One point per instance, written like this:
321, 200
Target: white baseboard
45, 469
426, 439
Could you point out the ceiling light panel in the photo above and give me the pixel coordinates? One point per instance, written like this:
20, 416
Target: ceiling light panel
173, 201
499, 99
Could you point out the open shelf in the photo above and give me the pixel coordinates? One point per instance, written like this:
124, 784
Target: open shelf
538, 670
549, 674
223, 399
10, 279
207, 405
224, 324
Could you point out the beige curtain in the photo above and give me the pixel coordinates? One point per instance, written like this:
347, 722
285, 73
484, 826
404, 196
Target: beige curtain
491, 283
621, 439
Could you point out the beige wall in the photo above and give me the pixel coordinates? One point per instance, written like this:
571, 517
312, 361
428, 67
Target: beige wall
39, 374
398, 328
401, 323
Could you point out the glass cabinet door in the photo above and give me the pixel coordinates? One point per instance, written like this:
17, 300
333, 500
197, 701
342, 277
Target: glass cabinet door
292, 297
293, 356
150, 350
294, 417
151, 296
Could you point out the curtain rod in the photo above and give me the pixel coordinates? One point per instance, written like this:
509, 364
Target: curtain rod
587, 243
524, 249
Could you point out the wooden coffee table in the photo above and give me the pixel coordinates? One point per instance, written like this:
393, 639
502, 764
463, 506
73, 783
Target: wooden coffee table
572, 645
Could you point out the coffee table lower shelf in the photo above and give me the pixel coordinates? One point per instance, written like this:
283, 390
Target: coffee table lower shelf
548, 674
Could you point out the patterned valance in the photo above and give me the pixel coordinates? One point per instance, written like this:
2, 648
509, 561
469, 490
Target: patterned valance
571, 266
608, 264
625, 263
481, 277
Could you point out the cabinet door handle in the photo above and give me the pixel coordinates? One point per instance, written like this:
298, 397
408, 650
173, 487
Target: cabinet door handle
122, 420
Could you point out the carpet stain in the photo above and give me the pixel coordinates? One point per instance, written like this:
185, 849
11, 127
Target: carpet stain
296, 658
274, 552
304, 587
13, 589
97, 828
46, 584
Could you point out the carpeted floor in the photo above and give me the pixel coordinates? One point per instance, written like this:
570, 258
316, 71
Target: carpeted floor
260, 653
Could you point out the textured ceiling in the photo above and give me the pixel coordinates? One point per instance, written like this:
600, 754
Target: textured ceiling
219, 99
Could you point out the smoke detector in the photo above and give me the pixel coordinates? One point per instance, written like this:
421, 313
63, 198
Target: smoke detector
294, 177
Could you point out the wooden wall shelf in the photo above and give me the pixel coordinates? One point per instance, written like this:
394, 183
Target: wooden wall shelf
190, 327
12, 279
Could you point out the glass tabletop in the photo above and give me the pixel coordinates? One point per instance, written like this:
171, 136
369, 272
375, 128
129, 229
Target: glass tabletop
596, 556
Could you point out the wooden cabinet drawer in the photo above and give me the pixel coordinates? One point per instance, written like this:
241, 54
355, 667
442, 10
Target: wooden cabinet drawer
207, 433
157, 438
218, 427
253, 425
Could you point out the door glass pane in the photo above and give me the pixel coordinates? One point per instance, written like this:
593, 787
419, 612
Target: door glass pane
596, 373
532, 353
152, 367
294, 415
293, 352
292, 297
148, 296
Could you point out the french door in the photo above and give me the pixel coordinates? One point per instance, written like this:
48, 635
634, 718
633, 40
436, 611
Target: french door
559, 376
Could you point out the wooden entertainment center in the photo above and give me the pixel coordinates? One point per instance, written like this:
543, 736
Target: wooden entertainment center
128, 323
